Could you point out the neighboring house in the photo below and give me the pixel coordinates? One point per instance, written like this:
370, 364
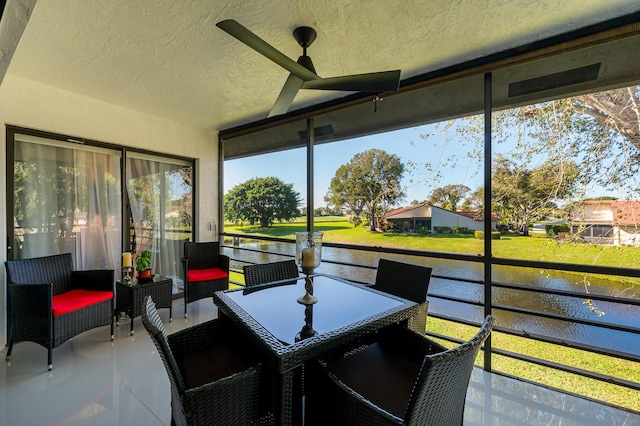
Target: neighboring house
608, 222
410, 219
172, 211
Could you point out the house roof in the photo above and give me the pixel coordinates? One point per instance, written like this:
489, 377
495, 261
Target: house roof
477, 216
617, 212
597, 202
471, 214
626, 212
168, 59
400, 210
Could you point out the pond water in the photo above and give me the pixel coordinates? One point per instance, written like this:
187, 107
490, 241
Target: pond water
446, 281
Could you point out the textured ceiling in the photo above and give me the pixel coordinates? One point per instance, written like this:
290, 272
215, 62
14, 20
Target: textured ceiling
167, 58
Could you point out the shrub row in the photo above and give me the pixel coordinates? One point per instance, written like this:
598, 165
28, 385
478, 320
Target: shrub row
442, 230
495, 235
422, 229
461, 230
553, 230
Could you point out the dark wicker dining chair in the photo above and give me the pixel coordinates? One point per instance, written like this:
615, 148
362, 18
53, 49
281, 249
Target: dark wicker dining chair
267, 272
407, 281
402, 379
215, 377
205, 271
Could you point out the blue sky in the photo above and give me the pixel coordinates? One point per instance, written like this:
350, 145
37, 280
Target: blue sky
290, 166
434, 156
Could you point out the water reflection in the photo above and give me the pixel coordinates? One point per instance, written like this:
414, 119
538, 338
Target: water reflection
443, 269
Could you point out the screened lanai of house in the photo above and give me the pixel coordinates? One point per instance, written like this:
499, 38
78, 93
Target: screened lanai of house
596, 60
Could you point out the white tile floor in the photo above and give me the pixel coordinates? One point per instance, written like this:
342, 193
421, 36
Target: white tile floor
98, 382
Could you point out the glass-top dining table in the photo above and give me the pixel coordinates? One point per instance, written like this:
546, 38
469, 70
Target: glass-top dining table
289, 333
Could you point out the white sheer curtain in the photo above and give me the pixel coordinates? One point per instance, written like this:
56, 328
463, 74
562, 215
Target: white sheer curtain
160, 200
67, 200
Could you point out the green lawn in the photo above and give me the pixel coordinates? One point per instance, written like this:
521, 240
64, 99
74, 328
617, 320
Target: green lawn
609, 366
339, 230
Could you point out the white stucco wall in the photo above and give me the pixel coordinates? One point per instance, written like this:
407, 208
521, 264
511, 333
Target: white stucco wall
441, 217
628, 236
32, 105
595, 213
423, 211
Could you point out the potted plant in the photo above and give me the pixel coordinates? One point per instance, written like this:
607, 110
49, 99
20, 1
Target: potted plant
143, 265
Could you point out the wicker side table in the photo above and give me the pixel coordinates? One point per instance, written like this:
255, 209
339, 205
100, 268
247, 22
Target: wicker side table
130, 297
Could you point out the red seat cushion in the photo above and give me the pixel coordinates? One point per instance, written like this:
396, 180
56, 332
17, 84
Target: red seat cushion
77, 299
196, 275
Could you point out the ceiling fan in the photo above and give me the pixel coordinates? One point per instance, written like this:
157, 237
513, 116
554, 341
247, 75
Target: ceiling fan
303, 74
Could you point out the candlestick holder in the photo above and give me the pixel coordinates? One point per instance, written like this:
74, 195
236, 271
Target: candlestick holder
307, 329
308, 256
308, 298
126, 275
126, 267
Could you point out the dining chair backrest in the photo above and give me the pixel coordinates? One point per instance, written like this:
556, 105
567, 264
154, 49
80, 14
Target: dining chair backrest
205, 271
154, 326
403, 279
202, 255
268, 272
439, 395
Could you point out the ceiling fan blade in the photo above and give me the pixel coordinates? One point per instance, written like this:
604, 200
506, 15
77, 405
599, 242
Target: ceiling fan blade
286, 96
236, 30
384, 81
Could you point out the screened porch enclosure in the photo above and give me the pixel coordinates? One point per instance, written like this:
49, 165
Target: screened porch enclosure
567, 307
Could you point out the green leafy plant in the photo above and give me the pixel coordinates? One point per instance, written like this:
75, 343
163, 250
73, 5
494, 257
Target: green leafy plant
495, 235
443, 230
421, 229
556, 229
460, 230
143, 261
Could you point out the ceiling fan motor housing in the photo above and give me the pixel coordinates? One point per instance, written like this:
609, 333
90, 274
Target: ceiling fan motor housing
304, 36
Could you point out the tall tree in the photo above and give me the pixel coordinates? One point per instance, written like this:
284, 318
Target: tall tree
617, 109
367, 180
530, 194
601, 131
186, 205
475, 201
598, 132
261, 200
449, 196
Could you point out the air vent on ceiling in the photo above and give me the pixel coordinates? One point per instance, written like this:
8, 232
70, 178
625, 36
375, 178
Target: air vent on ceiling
318, 132
553, 81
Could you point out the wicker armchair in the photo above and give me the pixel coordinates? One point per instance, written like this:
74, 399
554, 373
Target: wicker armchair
408, 281
401, 379
205, 271
268, 272
49, 303
215, 379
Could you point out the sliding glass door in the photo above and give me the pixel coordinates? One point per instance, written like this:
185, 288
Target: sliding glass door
66, 199
67, 196
159, 193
